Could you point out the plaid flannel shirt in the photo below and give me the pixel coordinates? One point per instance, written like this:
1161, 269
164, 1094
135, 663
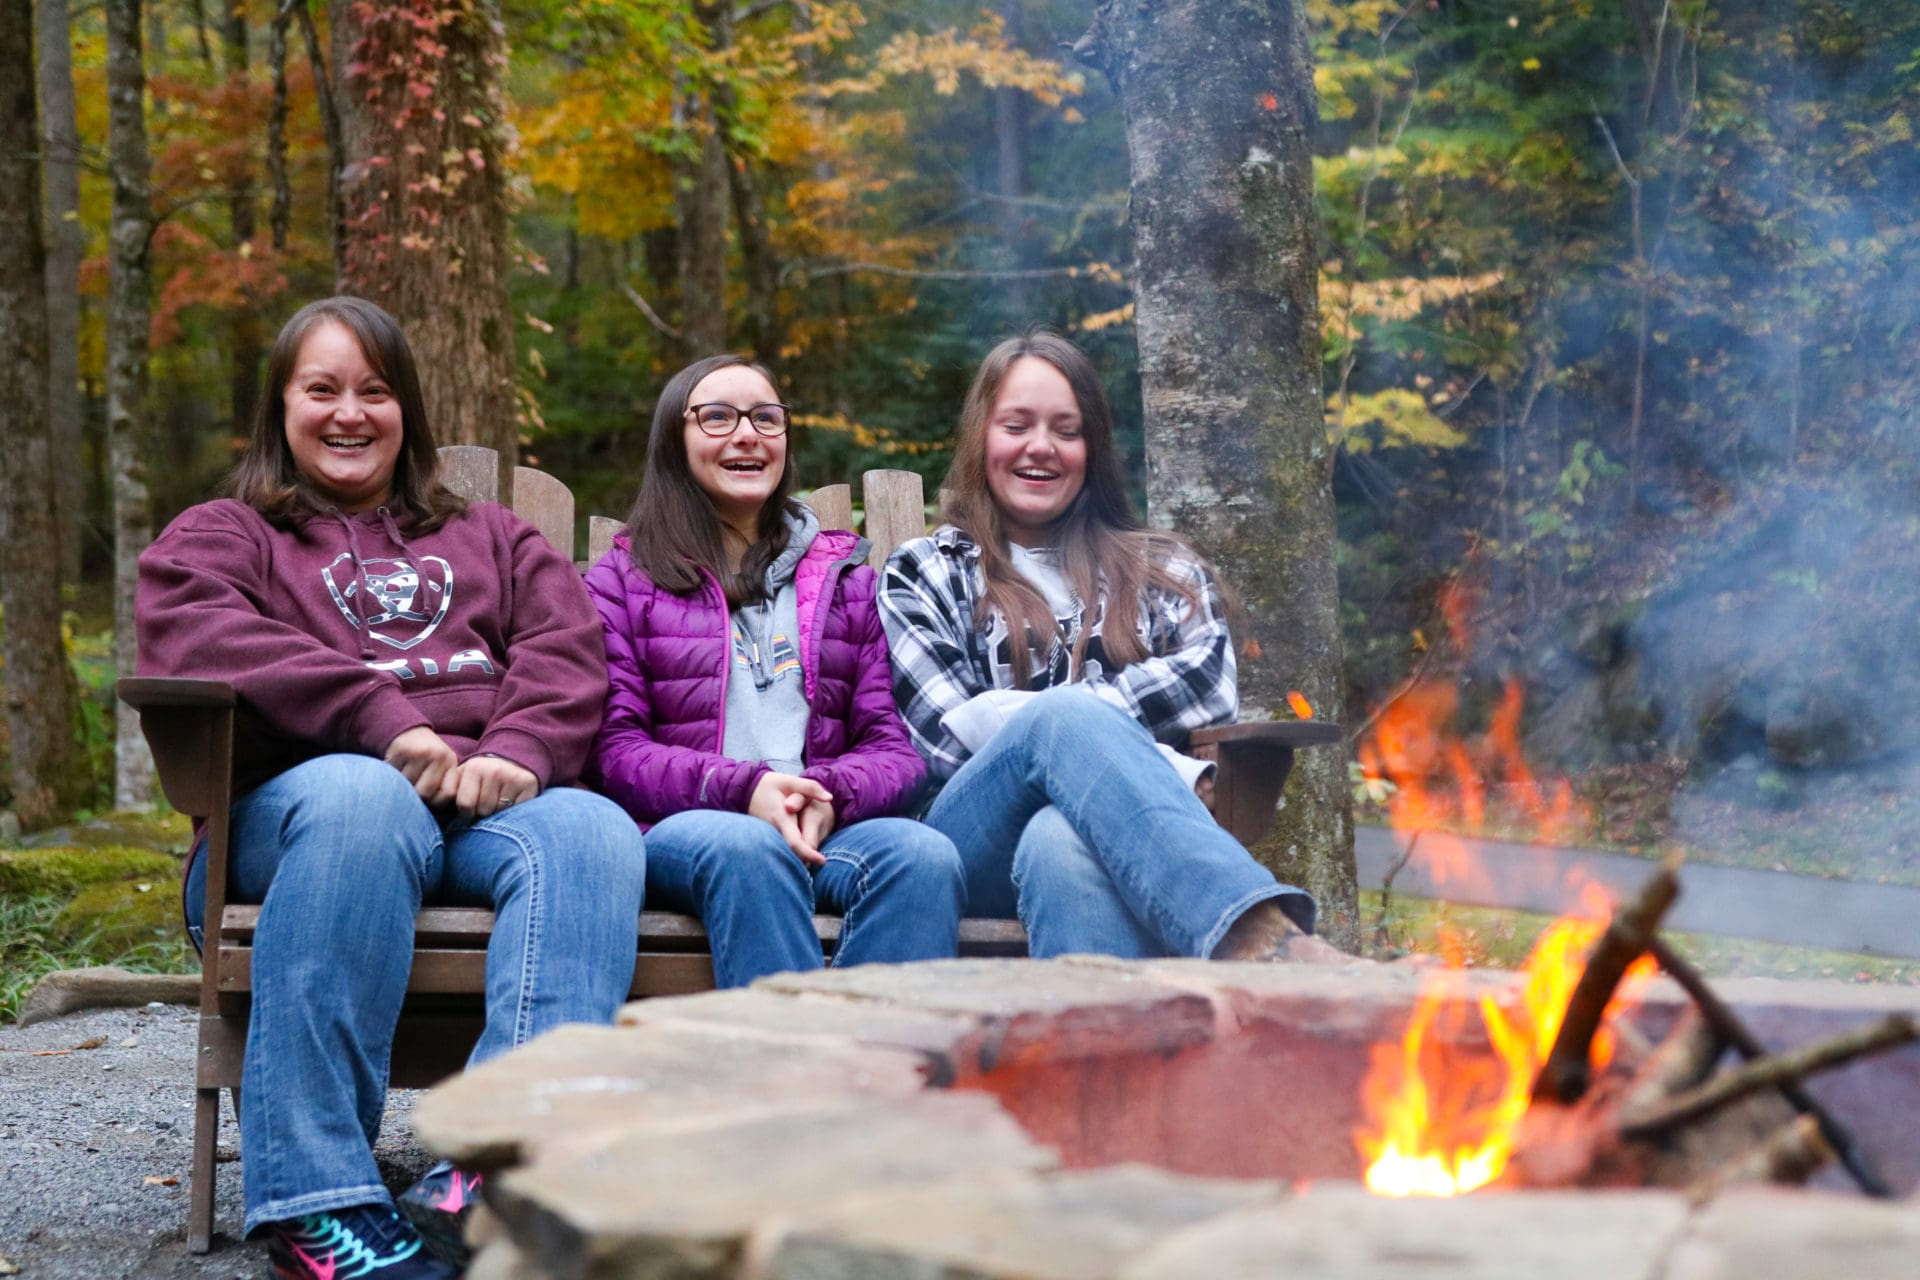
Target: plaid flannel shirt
928, 595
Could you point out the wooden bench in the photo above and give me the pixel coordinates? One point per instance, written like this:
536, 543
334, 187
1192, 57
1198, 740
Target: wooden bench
189, 724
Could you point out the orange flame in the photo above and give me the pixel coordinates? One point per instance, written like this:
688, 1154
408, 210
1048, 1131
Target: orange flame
1298, 701
1441, 1110
1442, 1116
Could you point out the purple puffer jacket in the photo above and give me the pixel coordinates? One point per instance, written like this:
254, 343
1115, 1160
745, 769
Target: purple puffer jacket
658, 752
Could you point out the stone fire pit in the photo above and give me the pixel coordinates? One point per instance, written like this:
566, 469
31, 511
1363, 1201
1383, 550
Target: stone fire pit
1086, 1117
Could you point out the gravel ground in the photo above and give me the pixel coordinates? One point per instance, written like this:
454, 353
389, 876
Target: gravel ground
88, 1138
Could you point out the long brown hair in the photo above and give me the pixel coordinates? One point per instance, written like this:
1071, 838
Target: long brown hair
1105, 551
674, 530
267, 479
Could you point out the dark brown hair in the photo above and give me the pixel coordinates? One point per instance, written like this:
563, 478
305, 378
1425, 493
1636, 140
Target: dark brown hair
267, 478
1105, 551
674, 530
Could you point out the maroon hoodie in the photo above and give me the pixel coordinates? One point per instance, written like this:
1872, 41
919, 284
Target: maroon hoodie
346, 630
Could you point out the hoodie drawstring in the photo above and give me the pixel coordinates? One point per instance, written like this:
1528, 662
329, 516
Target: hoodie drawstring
359, 588
361, 584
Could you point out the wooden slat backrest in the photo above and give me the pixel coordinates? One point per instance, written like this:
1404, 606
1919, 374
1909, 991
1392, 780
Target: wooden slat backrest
895, 503
600, 534
547, 505
833, 504
896, 510
472, 471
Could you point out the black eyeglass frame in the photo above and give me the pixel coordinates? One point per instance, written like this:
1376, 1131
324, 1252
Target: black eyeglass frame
740, 415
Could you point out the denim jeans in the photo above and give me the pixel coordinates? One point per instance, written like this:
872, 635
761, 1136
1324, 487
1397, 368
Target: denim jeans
897, 883
340, 853
1071, 820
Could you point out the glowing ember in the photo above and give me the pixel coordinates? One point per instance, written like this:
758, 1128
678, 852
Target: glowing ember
1298, 701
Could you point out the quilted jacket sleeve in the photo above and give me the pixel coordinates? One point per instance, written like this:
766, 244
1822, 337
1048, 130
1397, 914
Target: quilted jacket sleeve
650, 778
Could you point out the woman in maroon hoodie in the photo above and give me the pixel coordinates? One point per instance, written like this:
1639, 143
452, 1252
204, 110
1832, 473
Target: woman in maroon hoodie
419, 681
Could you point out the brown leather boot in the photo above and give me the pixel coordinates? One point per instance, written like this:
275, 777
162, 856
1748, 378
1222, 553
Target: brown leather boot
1265, 933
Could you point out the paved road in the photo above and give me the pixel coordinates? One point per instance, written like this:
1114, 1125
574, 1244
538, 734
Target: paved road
81, 1133
1773, 906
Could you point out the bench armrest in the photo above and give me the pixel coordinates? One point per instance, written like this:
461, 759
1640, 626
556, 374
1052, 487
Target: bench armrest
1253, 759
1271, 733
189, 725
142, 692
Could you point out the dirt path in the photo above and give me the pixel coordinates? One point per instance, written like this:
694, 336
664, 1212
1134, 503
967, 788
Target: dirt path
90, 1138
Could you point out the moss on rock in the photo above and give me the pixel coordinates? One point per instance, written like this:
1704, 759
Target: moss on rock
107, 920
161, 832
64, 869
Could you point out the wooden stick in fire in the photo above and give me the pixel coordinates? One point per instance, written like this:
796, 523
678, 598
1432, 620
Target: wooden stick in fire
1766, 1073
1728, 1023
1791, 1154
1564, 1075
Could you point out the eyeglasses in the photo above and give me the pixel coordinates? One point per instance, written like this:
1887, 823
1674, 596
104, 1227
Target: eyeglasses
723, 419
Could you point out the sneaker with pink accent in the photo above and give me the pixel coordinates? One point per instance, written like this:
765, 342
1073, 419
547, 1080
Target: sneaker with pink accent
348, 1244
439, 1205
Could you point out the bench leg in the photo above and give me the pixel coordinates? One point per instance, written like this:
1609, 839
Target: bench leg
206, 1137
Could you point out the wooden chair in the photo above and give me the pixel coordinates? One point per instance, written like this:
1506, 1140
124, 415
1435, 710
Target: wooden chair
189, 724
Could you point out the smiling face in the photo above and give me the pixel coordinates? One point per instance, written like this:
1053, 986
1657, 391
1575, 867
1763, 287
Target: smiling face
343, 422
1035, 454
741, 469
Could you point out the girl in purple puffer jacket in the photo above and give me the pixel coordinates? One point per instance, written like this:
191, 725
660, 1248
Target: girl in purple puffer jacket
750, 725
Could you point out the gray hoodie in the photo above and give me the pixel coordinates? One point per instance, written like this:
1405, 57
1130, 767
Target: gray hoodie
766, 693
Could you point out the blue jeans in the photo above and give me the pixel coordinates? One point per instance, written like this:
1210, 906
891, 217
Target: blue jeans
340, 852
897, 883
1071, 820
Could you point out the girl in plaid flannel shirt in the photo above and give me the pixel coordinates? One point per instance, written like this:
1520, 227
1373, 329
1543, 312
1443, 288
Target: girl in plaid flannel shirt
1049, 656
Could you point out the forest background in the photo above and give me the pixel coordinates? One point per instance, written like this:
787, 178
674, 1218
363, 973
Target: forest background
1617, 303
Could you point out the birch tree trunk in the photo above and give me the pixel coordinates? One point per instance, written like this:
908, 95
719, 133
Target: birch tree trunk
47, 773
1220, 109
64, 249
129, 302
425, 199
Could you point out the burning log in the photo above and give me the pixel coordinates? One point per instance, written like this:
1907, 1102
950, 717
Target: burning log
1662, 1116
1678, 1063
1769, 1072
1715, 1010
1564, 1076
1792, 1154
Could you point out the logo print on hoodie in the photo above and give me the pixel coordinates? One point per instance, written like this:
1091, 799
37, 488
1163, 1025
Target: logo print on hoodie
407, 602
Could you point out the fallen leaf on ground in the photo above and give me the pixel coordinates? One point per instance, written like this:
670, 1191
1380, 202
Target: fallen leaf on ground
94, 1043
159, 1180
7, 1268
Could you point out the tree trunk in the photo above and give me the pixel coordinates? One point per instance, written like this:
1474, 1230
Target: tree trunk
156, 35
64, 247
764, 333
700, 189
1220, 110
424, 195
47, 771
129, 302
1010, 169
245, 339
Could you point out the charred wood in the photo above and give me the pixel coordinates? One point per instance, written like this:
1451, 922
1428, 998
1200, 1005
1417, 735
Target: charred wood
1568, 1067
